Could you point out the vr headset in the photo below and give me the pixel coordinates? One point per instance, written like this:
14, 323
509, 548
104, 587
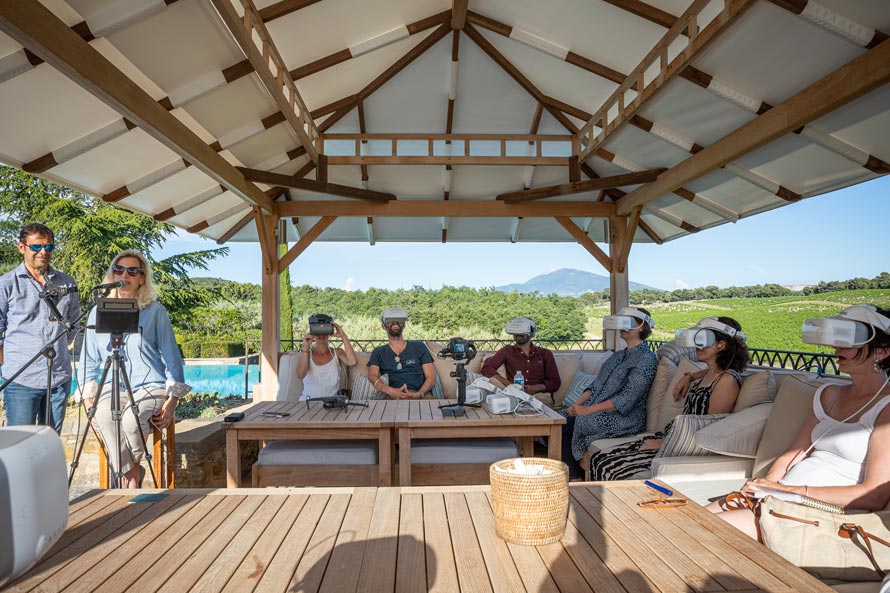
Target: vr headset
520, 326
394, 314
627, 318
703, 334
851, 328
321, 325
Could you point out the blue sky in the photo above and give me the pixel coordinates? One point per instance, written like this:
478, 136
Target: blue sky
830, 237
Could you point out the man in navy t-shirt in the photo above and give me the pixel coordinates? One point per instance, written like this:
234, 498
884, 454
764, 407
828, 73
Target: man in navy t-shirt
408, 364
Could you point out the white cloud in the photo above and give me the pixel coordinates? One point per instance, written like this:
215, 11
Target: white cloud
349, 284
680, 283
756, 269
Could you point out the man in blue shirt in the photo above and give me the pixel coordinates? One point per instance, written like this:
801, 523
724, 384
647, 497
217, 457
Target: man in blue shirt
408, 364
27, 324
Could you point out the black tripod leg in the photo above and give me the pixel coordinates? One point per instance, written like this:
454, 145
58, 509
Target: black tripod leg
86, 429
135, 410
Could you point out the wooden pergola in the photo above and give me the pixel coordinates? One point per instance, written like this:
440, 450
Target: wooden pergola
248, 120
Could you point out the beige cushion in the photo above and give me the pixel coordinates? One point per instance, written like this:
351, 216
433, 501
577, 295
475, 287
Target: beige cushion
444, 366
290, 387
670, 409
680, 440
738, 434
568, 366
793, 403
663, 374
360, 367
363, 390
592, 360
757, 388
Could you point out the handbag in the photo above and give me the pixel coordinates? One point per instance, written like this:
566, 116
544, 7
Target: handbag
828, 544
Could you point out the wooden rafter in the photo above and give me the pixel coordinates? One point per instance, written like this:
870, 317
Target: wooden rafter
344, 55
567, 189
265, 228
651, 232
586, 242
696, 43
366, 178
283, 8
859, 76
38, 29
646, 11
433, 208
235, 228
305, 241
628, 239
333, 189
449, 112
459, 14
387, 75
281, 87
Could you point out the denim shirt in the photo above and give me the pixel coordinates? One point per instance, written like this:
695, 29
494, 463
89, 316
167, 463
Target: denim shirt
25, 327
151, 357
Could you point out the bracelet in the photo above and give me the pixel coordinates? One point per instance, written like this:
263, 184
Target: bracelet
689, 374
376, 382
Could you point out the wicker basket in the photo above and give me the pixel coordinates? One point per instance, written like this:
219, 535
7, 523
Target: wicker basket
530, 510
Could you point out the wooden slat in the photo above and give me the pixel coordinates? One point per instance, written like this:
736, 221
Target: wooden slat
333, 189
442, 575
454, 137
858, 77
378, 565
344, 567
471, 572
501, 570
518, 160
310, 570
585, 241
426, 208
577, 187
38, 29
646, 11
411, 576
283, 8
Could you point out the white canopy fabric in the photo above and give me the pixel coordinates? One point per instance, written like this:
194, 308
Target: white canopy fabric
182, 54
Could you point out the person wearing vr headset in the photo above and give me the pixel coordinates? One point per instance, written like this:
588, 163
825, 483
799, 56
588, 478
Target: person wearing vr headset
407, 364
536, 363
27, 324
319, 365
840, 454
720, 343
614, 404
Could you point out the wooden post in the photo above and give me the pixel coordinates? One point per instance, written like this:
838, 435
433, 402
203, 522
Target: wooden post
618, 284
271, 309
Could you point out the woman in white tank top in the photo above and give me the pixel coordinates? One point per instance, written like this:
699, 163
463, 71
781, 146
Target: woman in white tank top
840, 455
319, 364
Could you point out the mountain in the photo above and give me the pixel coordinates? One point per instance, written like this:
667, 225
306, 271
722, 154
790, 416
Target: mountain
566, 282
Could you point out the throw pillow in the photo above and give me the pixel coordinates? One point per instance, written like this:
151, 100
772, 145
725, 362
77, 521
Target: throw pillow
794, 401
567, 365
680, 439
670, 409
757, 388
738, 434
577, 387
664, 372
362, 388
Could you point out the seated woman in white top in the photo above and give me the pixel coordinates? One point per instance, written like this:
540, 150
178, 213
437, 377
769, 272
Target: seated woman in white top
840, 454
319, 365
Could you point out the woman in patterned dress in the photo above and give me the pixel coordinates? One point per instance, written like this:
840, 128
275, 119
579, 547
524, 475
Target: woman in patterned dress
710, 391
614, 404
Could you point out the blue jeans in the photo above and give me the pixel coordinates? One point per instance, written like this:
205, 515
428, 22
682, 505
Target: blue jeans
27, 405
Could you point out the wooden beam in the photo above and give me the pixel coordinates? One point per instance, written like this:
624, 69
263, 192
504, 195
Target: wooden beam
243, 31
585, 241
38, 29
858, 77
283, 8
433, 208
265, 229
567, 189
235, 228
366, 178
628, 239
333, 189
459, 14
556, 161
641, 9
651, 232
304, 242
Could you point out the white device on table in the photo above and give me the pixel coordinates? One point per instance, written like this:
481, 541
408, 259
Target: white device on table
33, 496
523, 399
478, 390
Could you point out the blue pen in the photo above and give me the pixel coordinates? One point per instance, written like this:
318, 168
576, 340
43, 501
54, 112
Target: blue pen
661, 489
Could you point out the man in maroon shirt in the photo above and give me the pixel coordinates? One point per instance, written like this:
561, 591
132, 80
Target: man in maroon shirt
536, 363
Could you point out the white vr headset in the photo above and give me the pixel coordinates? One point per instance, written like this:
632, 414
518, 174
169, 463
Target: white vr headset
520, 326
851, 328
394, 314
627, 318
703, 334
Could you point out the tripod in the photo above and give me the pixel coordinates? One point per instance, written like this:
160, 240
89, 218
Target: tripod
114, 364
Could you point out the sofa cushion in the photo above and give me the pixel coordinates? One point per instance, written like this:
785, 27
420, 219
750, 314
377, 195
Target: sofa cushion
670, 409
290, 387
484, 450
359, 368
592, 360
680, 440
790, 409
738, 434
576, 388
568, 365
757, 388
363, 390
663, 375
333, 452
444, 366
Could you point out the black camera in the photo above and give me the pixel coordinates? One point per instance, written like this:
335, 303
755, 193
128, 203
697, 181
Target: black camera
321, 325
459, 349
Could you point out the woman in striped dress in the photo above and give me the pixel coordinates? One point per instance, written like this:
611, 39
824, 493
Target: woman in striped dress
710, 391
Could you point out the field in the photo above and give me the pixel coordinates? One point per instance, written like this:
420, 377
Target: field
772, 323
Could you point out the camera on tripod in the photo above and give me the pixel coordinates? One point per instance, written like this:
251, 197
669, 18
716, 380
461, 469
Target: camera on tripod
459, 349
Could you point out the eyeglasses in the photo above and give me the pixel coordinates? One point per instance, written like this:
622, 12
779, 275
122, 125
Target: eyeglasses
662, 503
398, 362
36, 247
132, 271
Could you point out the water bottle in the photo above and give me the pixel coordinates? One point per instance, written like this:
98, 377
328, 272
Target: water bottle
519, 380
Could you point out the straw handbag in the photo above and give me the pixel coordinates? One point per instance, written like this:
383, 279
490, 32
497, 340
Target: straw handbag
828, 545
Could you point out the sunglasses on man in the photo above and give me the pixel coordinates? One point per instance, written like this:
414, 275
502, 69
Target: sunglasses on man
36, 247
131, 271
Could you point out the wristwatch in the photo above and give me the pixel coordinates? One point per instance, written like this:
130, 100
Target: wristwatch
421, 393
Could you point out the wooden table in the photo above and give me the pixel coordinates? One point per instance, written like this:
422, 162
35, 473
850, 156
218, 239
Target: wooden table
312, 421
424, 420
397, 539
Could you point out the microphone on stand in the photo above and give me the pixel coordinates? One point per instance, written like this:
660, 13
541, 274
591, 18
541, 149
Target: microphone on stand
110, 285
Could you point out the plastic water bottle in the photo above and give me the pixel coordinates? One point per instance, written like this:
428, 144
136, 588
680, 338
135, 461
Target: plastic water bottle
519, 380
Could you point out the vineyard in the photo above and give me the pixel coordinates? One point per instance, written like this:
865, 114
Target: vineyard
772, 322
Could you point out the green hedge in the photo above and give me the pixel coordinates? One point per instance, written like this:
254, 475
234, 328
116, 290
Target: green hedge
196, 349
